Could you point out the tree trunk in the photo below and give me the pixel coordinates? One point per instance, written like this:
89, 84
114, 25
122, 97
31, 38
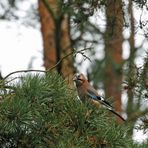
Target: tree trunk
56, 38
131, 68
113, 52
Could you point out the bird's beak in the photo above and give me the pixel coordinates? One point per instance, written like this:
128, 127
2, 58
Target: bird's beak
74, 78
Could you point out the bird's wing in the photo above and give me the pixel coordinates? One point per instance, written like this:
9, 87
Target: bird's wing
100, 99
93, 95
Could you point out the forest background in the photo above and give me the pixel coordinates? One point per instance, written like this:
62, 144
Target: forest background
107, 40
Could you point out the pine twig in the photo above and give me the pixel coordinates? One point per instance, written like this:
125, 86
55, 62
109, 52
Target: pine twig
45, 71
19, 71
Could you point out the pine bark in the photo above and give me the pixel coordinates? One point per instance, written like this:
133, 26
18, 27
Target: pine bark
56, 38
113, 52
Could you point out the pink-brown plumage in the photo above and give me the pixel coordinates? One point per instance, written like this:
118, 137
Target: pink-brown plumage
88, 92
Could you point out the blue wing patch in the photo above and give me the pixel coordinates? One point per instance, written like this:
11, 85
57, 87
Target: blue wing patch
99, 98
92, 96
102, 101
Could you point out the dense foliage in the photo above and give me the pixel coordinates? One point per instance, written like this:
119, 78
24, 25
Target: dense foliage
42, 111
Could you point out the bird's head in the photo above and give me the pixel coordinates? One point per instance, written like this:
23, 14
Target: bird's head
79, 79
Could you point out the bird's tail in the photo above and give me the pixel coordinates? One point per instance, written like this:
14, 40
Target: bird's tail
109, 107
117, 114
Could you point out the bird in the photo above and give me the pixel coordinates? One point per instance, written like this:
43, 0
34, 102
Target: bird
87, 92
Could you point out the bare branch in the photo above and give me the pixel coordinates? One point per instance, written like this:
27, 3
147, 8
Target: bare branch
19, 71
71, 53
45, 71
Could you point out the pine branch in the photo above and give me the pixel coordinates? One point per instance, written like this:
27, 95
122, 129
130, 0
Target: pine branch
44, 107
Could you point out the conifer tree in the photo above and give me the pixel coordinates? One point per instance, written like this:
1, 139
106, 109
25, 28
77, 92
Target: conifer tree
41, 111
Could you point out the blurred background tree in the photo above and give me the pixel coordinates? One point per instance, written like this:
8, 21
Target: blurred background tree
103, 27
55, 30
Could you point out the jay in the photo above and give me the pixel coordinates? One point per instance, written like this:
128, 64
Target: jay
88, 92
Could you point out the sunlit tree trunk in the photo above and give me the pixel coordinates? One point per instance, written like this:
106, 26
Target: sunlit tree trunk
113, 52
56, 37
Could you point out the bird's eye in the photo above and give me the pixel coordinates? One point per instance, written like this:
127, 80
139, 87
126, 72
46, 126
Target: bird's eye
79, 77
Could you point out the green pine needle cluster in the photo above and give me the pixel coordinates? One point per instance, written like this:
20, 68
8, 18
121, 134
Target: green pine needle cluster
43, 112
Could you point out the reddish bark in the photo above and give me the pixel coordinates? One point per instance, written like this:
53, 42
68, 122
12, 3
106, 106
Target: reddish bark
56, 39
113, 50
47, 29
